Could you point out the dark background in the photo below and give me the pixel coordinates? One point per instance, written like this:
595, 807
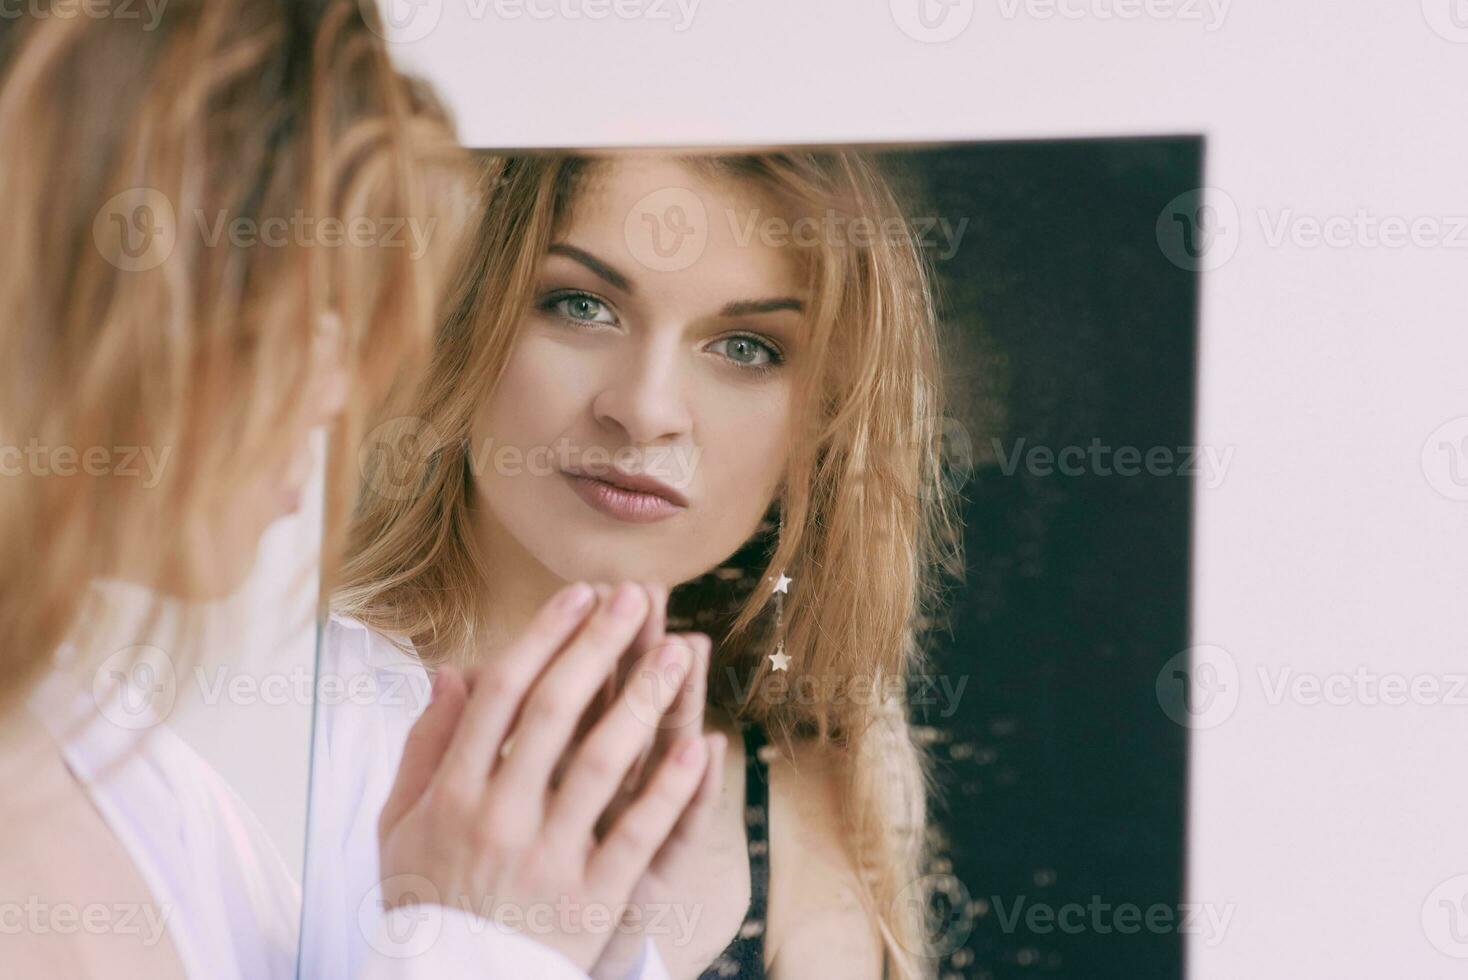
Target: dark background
1063, 780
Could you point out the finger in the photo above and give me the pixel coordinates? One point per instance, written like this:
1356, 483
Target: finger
500, 687
623, 857
600, 764
650, 636
555, 705
608, 692
685, 717
427, 742
652, 630
689, 829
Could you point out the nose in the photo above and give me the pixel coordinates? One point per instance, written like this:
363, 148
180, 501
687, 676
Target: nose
643, 393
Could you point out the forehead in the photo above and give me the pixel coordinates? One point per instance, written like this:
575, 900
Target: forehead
670, 227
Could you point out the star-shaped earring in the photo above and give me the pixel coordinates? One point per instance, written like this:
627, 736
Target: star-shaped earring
782, 588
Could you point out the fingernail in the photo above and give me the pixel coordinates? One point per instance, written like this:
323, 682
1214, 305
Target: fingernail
626, 601
671, 654
575, 599
691, 751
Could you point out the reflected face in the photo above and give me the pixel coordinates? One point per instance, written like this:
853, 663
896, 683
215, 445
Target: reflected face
622, 368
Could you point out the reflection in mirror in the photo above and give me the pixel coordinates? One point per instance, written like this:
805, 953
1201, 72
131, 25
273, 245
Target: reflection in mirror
720, 376
776, 407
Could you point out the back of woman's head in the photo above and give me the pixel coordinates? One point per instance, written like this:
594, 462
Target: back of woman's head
205, 214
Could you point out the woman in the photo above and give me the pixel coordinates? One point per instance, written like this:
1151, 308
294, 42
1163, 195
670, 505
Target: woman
743, 350
148, 299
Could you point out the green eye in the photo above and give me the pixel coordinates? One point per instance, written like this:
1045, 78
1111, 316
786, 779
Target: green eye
745, 350
580, 307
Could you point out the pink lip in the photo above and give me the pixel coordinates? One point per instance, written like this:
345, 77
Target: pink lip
632, 506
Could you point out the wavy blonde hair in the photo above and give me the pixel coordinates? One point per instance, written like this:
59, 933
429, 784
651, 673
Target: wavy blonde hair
241, 109
869, 526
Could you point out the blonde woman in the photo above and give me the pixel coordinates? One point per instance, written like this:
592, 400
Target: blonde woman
717, 374
125, 323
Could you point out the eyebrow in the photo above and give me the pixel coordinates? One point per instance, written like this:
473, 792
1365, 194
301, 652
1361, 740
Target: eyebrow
595, 264
744, 307
749, 307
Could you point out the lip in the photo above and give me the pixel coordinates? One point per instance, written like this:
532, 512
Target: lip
635, 505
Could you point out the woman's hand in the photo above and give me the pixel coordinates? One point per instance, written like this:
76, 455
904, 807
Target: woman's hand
493, 835
665, 881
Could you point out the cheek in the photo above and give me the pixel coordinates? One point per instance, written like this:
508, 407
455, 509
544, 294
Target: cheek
745, 449
536, 394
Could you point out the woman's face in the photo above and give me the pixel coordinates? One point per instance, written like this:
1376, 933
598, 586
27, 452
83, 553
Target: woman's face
643, 354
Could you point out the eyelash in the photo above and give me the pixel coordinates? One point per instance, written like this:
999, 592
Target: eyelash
777, 357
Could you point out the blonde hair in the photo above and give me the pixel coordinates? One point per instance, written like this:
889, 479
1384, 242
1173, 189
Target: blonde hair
224, 109
868, 523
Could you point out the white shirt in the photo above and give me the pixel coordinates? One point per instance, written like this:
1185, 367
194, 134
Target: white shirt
369, 693
230, 902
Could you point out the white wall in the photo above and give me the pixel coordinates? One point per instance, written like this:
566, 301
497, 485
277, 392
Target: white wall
1326, 369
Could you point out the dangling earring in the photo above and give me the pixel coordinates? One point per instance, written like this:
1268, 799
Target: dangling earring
778, 658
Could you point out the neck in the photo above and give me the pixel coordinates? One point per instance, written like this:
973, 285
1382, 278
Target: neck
513, 585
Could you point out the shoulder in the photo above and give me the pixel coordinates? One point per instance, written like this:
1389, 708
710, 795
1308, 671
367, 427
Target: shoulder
815, 909
363, 667
349, 642
370, 688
